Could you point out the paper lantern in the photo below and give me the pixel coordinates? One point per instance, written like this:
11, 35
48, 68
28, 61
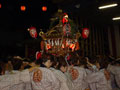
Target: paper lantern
33, 32
38, 55
44, 8
23, 8
0, 5
85, 33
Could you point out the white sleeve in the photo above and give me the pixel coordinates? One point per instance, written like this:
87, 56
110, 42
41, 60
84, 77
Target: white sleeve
55, 82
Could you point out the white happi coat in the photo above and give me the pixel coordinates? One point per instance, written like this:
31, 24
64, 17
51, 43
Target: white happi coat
97, 81
108, 81
15, 81
48, 81
79, 83
62, 78
115, 70
90, 85
69, 80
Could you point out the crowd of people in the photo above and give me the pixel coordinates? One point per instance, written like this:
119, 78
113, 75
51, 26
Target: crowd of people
50, 72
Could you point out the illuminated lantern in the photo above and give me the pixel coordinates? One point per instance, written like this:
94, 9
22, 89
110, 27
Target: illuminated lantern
38, 55
44, 8
33, 32
85, 33
0, 5
23, 8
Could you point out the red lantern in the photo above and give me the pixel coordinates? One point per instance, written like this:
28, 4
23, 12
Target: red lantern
23, 8
0, 5
38, 55
33, 32
85, 33
44, 8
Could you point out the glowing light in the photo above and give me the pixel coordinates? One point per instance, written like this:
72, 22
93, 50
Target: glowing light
44, 8
23, 8
116, 18
108, 6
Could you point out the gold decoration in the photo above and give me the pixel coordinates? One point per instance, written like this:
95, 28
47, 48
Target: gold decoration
58, 43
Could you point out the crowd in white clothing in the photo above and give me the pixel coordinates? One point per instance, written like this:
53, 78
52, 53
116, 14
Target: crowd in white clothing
52, 72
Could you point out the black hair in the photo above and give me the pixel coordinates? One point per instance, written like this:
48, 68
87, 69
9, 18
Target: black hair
2, 67
45, 58
117, 61
103, 61
111, 59
62, 62
38, 62
27, 67
32, 59
83, 61
93, 60
26, 60
74, 60
0, 70
54, 62
17, 63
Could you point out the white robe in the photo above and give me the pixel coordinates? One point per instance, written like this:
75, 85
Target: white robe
91, 85
69, 80
79, 83
98, 79
24, 81
109, 84
62, 78
15, 81
115, 70
48, 81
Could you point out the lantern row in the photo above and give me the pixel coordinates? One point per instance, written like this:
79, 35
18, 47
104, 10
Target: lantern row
23, 7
